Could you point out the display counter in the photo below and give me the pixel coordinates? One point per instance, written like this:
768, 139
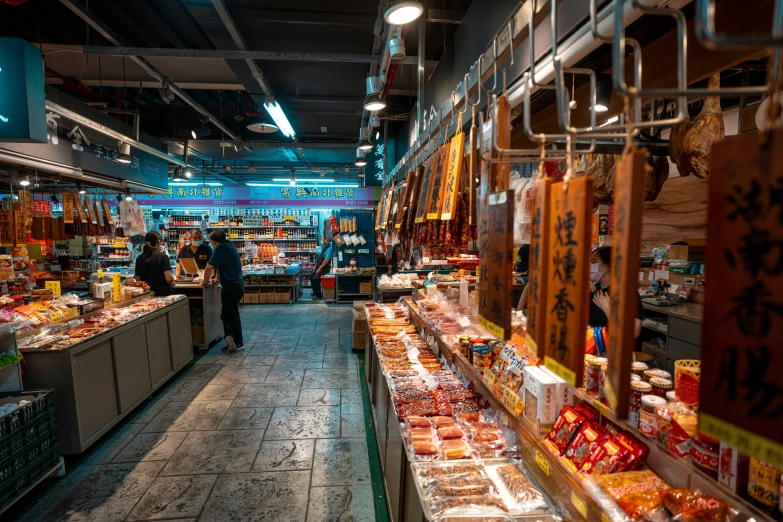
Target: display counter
99, 380
205, 306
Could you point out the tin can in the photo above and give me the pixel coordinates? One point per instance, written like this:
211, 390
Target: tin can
638, 390
464, 345
649, 374
638, 368
661, 386
705, 454
593, 376
648, 424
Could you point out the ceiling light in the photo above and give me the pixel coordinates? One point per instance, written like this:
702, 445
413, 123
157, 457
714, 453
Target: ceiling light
203, 132
25, 181
377, 135
263, 127
124, 156
340, 185
293, 181
178, 175
373, 84
603, 92
365, 145
319, 180
128, 196
80, 188
187, 172
360, 161
196, 184
276, 112
374, 103
397, 49
403, 13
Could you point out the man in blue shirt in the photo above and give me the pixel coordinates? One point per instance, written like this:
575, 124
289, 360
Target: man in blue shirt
321, 267
225, 259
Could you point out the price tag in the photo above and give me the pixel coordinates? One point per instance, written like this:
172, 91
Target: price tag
116, 287
56, 316
489, 379
579, 505
511, 400
542, 462
70, 312
508, 353
54, 286
605, 517
602, 408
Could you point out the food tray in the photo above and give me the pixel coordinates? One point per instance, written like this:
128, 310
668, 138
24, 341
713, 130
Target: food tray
89, 304
539, 510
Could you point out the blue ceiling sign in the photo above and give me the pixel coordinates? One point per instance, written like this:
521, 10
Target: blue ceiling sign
22, 105
381, 154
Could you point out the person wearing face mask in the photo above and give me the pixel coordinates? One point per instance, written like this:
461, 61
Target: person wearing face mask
600, 303
225, 261
153, 266
196, 250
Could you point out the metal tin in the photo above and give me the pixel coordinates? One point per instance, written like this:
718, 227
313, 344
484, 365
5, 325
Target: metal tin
638, 390
661, 386
648, 424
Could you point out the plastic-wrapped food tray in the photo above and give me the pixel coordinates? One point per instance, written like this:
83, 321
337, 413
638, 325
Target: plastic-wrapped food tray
495, 498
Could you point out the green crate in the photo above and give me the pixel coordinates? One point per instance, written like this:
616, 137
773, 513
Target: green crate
10, 490
15, 464
43, 404
26, 434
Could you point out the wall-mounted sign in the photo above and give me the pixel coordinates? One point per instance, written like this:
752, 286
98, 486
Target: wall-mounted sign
243, 195
381, 154
21, 92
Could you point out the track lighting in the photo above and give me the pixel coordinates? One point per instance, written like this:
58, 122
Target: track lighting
403, 12
25, 181
178, 174
373, 84
397, 49
124, 156
128, 196
603, 92
360, 161
365, 145
80, 188
203, 132
374, 103
187, 172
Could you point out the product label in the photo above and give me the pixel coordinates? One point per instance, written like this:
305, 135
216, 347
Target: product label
579, 505
511, 400
647, 423
54, 286
542, 462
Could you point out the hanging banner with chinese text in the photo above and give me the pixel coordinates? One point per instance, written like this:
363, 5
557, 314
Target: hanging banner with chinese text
382, 154
496, 246
20, 230
404, 202
437, 184
242, 195
538, 282
624, 297
421, 204
453, 176
107, 213
6, 227
80, 208
741, 400
568, 269
67, 207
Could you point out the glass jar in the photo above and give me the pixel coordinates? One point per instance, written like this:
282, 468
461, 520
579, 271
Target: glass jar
593, 376
648, 424
482, 357
649, 374
638, 368
639, 389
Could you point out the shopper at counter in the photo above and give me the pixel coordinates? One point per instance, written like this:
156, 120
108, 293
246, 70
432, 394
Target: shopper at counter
153, 266
196, 250
600, 303
226, 261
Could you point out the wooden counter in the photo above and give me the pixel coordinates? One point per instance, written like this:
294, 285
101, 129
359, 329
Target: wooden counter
205, 302
100, 380
688, 311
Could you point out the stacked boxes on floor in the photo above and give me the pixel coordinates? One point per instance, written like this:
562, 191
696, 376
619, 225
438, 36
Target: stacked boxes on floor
29, 442
359, 325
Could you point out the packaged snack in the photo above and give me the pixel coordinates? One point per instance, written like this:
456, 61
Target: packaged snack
733, 469
417, 422
637, 451
451, 469
454, 449
411, 397
671, 436
466, 416
441, 421
466, 406
689, 506
419, 409
521, 488
539, 398
427, 449
566, 426
608, 458
586, 442
589, 412
764, 486
636, 492
461, 484
565, 393
421, 434
484, 426
479, 504
403, 373
457, 395
486, 435
450, 432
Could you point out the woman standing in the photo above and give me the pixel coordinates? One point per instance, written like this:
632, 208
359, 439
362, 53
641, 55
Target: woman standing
153, 266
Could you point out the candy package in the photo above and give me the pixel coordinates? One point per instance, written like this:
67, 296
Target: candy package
565, 428
635, 492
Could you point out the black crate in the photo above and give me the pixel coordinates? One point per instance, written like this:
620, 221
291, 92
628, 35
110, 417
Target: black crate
35, 470
41, 406
25, 435
14, 465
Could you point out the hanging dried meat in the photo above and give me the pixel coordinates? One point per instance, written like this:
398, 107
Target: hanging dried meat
690, 143
602, 171
655, 177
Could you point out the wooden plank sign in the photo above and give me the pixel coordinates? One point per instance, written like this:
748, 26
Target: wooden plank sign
98, 213
404, 200
453, 175
568, 269
628, 205
538, 282
424, 191
90, 210
6, 227
107, 213
473, 170
388, 206
496, 246
80, 208
501, 172
20, 228
414, 198
67, 207
437, 183
741, 392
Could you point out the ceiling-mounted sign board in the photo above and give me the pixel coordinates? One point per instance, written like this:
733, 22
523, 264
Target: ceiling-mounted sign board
453, 176
22, 103
741, 394
538, 282
628, 204
568, 269
438, 183
496, 242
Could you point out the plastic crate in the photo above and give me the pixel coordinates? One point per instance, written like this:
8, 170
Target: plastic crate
23, 436
10, 490
328, 281
39, 407
15, 464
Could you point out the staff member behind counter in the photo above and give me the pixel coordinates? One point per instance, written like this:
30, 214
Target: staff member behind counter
196, 250
600, 303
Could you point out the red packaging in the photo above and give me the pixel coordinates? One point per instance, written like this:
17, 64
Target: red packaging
607, 459
589, 438
566, 426
425, 448
450, 432
440, 422
419, 409
637, 454
465, 407
587, 411
458, 395
418, 422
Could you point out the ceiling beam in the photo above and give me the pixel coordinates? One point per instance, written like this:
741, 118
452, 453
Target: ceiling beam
244, 54
445, 16
151, 85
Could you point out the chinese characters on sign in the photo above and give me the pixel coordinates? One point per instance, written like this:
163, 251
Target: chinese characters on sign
421, 207
435, 198
539, 248
743, 314
6, 227
567, 272
495, 246
453, 175
628, 203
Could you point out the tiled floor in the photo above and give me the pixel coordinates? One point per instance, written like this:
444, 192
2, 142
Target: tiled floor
272, 433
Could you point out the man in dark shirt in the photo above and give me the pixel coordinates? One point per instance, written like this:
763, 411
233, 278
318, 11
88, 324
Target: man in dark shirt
196, 250
225, 259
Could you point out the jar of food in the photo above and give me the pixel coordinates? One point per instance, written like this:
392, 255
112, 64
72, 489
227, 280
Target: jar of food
647, 422
635, 378
601, 382
649, 374
497, 348
593, 376
473, 341
482, 356
638, 390
704, 454
638, 368
584, 375
464, 345
661, 386
670, 396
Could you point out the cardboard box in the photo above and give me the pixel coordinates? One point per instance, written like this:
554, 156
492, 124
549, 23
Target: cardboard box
365, 287
688, 249
565, 394
266, 297
283, 297
252, 298
328, 293
359, 306
359, 321
358, 339
539, 398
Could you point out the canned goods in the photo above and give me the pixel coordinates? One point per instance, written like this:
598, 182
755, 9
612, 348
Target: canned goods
593, 378
661, 386
638, 390
648, 424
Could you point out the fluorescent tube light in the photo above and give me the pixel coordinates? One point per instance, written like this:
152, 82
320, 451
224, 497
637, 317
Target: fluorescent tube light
300, 180
193, 184
340, 185
281, 121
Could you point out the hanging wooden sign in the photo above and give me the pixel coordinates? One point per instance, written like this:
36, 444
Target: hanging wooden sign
390, 200
67, 207
20, 229
624, 298
496, 243
26, 206
453, 176
414, 198
538, 282
568, 269
98, 213
378, 214
741, 397
437, 183
90, 210
80, 207
473, 171
424, 191
6, 227
501, 172
107, 213
404, 203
